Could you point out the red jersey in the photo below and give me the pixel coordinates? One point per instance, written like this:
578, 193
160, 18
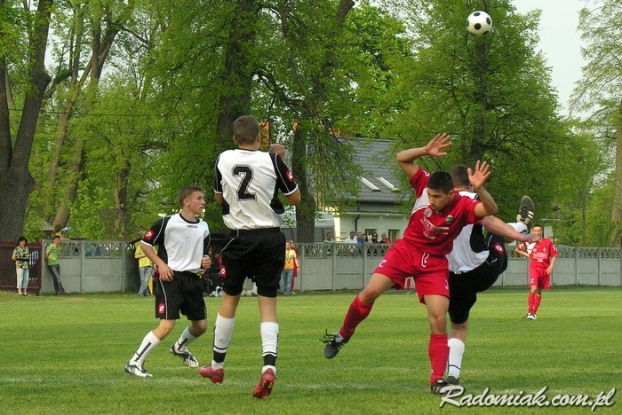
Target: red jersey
429, 230
541, 253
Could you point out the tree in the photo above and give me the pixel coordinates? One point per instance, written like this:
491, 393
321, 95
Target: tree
492, 94
15, 179
598, 93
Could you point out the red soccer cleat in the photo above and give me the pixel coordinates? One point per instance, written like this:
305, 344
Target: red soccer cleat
216, 376
264, 387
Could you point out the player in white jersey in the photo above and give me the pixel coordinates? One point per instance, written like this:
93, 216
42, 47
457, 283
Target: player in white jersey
247, 185
182, 240
475, 263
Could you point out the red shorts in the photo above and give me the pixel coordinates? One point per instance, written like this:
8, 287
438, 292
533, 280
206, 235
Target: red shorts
431, 272
539, 278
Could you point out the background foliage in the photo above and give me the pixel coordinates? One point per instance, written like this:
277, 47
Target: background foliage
142, 95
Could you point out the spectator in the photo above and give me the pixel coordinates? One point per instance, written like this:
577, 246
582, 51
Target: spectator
374, 238
384, 239
296, 267
329, 238
287, 275
51, 258
145, 270
351, 239
21, 255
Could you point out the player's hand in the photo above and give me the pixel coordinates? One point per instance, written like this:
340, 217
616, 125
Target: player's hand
278, 149
166, 273
206, 262
478, 176
436, 146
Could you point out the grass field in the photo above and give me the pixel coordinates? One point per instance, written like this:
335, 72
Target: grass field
65, 355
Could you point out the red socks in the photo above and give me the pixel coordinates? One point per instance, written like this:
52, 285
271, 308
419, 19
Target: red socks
438, 350
356, 313
536, 303
533, 302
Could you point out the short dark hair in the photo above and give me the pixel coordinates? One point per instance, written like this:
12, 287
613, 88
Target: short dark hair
56, 236
460, 175
22, 238
187, 191
245, 129
441, 181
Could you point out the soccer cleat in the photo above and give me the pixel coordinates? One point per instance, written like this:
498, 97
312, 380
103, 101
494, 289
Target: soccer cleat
334, 343
186, 356
453, 380
533, 317
264, 387
137, 369
525, 210
440, 387
216, 376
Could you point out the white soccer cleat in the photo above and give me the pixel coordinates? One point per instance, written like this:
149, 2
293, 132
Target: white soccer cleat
137, 369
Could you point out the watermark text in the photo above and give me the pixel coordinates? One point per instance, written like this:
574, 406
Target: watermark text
455, 396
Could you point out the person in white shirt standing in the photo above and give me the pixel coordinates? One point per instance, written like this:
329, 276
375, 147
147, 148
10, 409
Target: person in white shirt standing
183, 242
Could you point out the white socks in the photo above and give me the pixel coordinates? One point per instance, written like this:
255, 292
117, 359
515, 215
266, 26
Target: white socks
454, 363
223, 329
269, 342
181, 345
150, 341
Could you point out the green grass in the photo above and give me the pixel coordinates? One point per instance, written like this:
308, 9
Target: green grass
65, 355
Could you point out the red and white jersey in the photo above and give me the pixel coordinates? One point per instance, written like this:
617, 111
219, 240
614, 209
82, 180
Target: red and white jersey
541, 253
432, 231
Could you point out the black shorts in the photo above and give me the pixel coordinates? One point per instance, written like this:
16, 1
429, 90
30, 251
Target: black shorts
256, 254
184, 294
463, 288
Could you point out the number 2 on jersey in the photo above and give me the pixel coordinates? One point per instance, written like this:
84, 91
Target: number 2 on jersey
246, 173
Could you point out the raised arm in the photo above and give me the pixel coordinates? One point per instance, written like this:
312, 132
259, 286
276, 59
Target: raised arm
435, 148
477, 178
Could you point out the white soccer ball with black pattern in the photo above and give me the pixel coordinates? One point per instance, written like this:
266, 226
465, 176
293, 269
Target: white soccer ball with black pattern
479, 23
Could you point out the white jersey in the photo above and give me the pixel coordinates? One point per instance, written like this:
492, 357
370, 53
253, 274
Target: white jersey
181, 244
249, 182
464, 255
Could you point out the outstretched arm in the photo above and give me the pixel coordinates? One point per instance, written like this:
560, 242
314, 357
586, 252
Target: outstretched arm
477, 178
496, 226
435, 148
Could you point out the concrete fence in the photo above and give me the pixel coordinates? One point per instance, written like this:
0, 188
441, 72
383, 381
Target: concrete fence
109, 266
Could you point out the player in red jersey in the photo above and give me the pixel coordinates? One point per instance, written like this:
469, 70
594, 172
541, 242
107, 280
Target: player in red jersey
438, 217
542, 255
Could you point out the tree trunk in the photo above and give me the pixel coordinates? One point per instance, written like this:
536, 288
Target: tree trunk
305, 212
237, 74
616, 209
16, 181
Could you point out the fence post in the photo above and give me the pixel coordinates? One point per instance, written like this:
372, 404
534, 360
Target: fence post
576, 272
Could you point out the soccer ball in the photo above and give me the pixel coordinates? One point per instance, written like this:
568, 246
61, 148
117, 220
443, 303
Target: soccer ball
479, 23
